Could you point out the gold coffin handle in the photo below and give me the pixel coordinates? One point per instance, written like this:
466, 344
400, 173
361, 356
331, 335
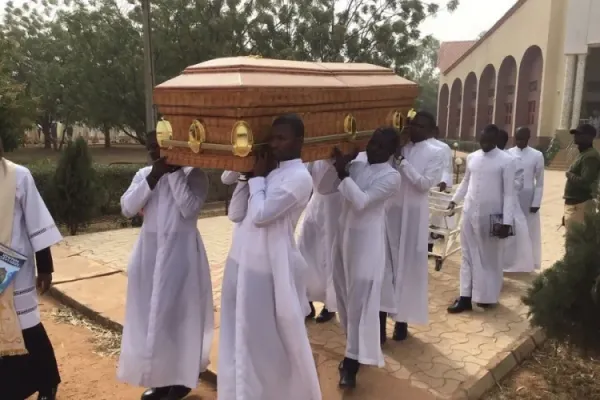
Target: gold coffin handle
196, 136
242, 139
397, 119
350, 126
164, 131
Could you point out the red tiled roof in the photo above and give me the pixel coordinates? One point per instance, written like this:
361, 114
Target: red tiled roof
451, 51
476, 43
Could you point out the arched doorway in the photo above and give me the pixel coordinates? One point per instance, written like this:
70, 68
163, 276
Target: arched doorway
485, 100
467, 130
529, 89
505, 96
442, 111
455, 109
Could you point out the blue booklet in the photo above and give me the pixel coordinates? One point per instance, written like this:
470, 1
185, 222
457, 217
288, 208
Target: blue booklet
11, 263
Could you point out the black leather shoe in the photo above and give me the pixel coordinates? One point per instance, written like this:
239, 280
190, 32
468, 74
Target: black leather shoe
460, 305
348, 370
400, 331
324, 316
430, 247
382, 327
313, 312
48, 395
155, 393
177, 393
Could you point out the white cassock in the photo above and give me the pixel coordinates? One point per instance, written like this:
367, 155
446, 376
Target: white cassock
448, 178
518, 256
315, 242
407, 226
169, 312
33, 230
264, 352
531, 196
448, 167
359, 255
487, 188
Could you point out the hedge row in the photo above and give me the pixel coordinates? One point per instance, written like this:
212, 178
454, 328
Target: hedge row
113, 181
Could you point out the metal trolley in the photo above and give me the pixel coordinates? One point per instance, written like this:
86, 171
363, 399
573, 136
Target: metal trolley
444, 226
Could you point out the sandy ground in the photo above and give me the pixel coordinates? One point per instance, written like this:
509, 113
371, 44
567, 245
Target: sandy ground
87, 371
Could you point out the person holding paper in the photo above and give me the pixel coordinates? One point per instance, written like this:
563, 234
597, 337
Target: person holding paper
169, 311
488, 189
27, 230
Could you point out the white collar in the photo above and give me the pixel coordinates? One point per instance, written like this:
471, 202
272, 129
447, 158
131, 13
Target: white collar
290, 163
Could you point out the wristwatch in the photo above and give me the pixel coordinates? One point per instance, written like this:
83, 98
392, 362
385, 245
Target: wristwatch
243, 178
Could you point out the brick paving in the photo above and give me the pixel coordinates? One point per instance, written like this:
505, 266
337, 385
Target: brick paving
436, 358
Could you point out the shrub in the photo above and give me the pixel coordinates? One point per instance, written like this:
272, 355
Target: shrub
74, 187
562, 298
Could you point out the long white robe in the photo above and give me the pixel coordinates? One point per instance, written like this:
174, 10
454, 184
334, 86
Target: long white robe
359, 256
448, 178
531, 196
169, 312
33, 230
315, 243
264, 352
487, 188
518, 255
407, 227
448, 168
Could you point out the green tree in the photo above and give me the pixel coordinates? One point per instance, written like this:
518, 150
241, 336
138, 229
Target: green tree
15, 108
563, 299
75, 195
424, 71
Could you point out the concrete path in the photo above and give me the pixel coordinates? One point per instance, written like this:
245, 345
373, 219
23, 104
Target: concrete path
452, 357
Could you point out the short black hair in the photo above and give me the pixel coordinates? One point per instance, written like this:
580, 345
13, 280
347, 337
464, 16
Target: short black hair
524, 129
427, 116
491, 128
293, 121
502, 138
390, 133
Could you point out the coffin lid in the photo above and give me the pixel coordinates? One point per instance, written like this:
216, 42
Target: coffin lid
251, 72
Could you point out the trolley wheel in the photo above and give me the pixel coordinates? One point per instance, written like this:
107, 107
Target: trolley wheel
438, 263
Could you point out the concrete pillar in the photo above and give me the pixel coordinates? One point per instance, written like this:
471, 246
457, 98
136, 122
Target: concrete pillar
567, 94
578, 90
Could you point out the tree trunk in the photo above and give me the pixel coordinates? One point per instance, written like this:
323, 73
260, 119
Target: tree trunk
47, 131
62, 139
106, 138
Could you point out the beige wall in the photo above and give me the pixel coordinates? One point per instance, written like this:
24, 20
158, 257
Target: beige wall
583, 22
536, 23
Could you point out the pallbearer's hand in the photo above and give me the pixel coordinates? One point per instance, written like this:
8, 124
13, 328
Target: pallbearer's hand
503, 231
442, 186
159, 168
43, 282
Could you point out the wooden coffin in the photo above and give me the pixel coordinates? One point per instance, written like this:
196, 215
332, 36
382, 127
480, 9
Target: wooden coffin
215, 113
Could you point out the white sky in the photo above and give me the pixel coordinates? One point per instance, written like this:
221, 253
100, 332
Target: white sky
470, 19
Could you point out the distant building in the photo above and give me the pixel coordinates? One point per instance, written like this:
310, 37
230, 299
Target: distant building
538, 66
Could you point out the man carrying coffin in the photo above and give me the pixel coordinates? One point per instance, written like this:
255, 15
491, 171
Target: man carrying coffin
169, 312
264, 352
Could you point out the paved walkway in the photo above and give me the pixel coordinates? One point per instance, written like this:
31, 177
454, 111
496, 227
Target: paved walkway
441, 360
